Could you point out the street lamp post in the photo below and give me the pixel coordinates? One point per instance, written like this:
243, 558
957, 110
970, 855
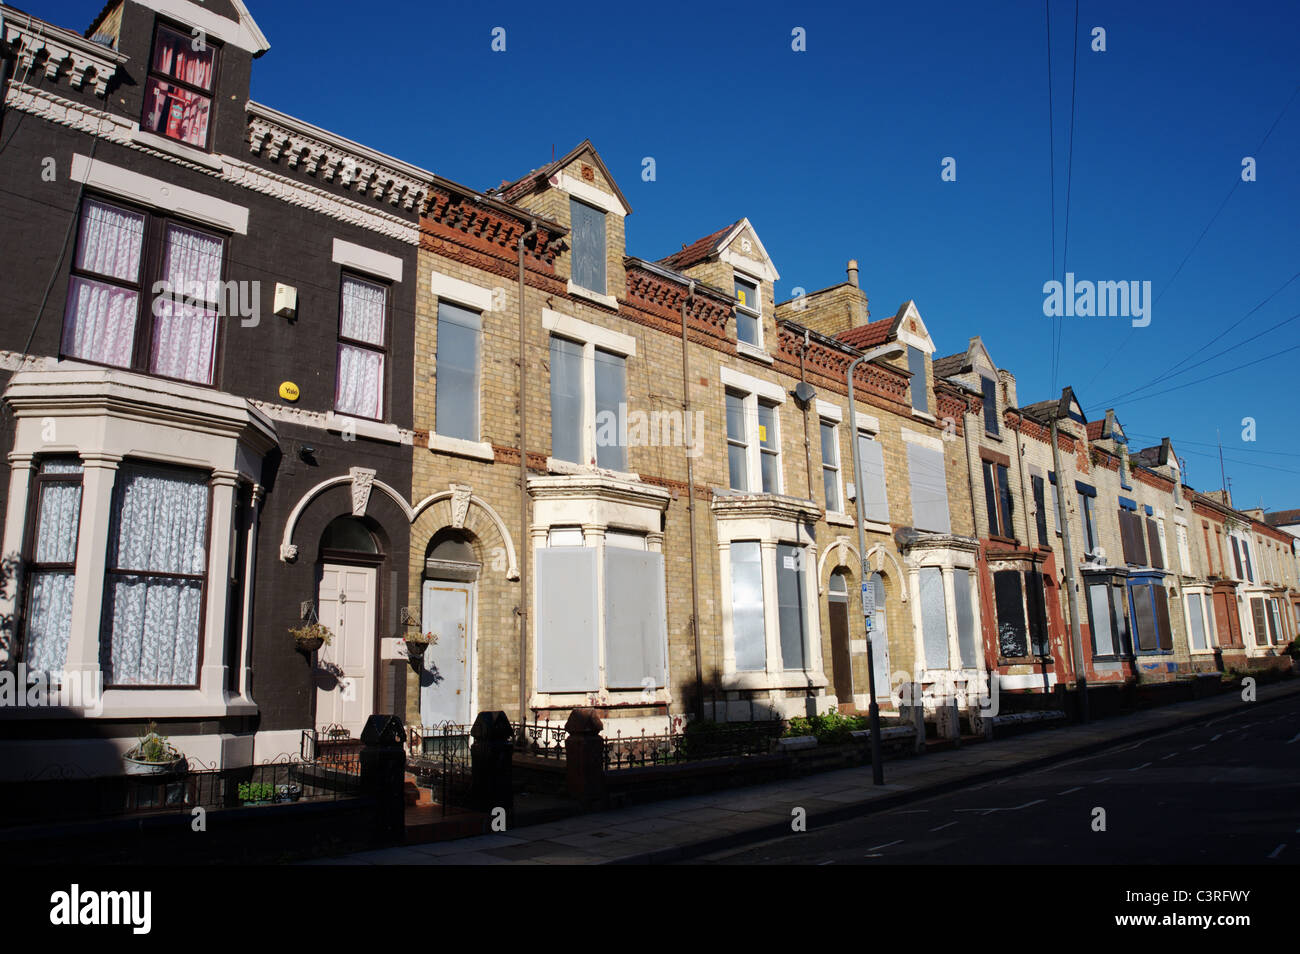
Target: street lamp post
884, 351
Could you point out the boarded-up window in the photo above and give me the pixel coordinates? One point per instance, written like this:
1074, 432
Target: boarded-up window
792, 605
1144, 617
961, 594
1040, 509
920, 390
566, 400
997, 499
588, 239
566, 620
1119, 610
1153, 541
1103, 639
1236, 557
934, 618
1245, 558
990, 389
1013, 641
747, 606
873, 503
1261, 625
1130, 531
611, 398
636, 634
1165, 634
929, 489
459, 334
1275, 623
1037, 607
1196, 620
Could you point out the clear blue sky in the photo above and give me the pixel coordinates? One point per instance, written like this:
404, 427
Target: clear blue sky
835, 153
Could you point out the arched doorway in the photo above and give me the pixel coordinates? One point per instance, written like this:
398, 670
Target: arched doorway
347, 601
448, 609
837, 606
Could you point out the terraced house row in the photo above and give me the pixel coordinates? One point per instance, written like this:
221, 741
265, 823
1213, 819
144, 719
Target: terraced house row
256, 374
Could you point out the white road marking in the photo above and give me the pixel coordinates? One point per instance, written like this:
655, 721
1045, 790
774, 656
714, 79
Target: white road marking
942, 827
1169, 756
1195, 747
1139, 767
1278, 850
1077, 788
1037, 801
913, 811
886, 845
1100, 780
1217, 737
820, 863
1289, 741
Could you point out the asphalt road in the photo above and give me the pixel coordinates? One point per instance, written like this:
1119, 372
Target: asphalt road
1220, 792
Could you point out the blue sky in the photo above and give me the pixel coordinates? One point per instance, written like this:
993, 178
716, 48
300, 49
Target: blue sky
835, 153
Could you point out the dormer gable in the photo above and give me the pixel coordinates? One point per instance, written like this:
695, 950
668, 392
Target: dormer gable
225, 21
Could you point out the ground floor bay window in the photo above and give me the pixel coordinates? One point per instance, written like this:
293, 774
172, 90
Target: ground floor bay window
133, 508
771, 639
600, 598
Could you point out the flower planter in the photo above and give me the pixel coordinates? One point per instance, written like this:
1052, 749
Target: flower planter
136, 766
311, 645
416, 649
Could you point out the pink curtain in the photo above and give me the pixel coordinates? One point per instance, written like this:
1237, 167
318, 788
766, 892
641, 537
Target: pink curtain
174, 55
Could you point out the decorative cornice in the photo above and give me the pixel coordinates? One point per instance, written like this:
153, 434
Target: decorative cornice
776, 506
320, 420
61, 52
350, 166
95, 122
482, 227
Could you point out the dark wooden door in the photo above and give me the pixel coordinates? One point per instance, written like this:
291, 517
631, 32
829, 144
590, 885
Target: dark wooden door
841, 658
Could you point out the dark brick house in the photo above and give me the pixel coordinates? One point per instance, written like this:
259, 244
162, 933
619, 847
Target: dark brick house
206, 374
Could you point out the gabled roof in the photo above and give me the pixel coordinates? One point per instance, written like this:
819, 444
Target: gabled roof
1066, 406
870, 334
510, 191
950, 365
1282, 518
701, 249
243, 32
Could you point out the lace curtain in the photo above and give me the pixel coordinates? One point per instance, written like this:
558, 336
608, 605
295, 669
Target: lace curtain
49, 602
151, 623
174, 55
184, 335
100, 319
361, 371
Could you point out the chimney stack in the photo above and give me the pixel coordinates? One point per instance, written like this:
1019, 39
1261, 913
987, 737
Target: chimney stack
853, 272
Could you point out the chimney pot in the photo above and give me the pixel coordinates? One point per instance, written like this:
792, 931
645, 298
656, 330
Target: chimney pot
853, 272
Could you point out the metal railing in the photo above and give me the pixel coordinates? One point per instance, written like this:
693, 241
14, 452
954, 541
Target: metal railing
544, 740
438, 757
692, 745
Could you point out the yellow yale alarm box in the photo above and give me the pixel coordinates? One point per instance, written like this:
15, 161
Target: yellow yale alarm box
289, 391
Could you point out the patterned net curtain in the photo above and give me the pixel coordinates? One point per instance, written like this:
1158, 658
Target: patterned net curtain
154, 591
185, 332
51, 574
100, 320
361, 369
173, 110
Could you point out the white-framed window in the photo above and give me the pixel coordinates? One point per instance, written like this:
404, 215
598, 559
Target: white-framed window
458, 390
753, 440
1184, 549
749, 310
832, 480
362, 348
751, 585
1199, 624
589, 411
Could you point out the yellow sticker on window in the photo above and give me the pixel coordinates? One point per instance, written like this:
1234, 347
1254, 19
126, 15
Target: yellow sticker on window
762, 433
740, 296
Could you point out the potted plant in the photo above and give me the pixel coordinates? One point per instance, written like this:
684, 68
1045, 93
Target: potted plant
311, 636
417, 643
256, 793
153, 755
288, 793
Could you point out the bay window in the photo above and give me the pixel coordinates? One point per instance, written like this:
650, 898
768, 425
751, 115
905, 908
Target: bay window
51, 565
362, 352
792, 606
104, 322
157, 563
178, 92
749, 631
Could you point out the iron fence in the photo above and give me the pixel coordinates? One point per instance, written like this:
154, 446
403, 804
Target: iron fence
438, 757
544, 740
691, 745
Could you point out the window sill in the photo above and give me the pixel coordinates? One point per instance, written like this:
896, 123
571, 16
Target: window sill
838, 519
568, 468
876, 526
1026, 661
786, 679
373, 430
178, 149
925, 416
457, 447
747, 350
609, 301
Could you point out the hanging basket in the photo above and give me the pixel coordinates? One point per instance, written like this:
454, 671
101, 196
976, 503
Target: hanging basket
311, 645
415, 648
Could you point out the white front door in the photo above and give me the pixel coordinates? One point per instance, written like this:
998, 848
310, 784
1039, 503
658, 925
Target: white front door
447, 680
880, 643
345, 676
